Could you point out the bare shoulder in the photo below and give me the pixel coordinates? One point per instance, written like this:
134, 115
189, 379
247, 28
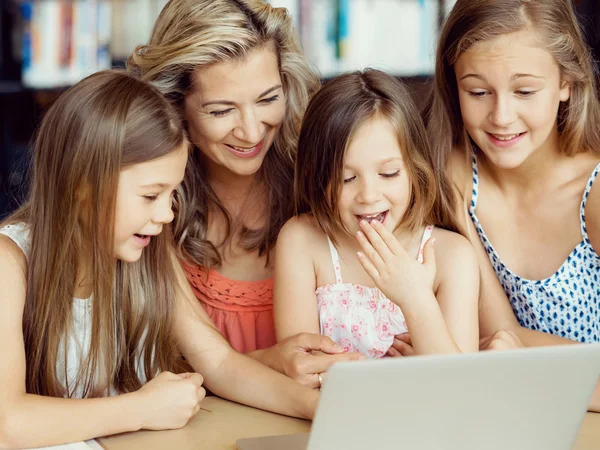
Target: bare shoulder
300, 230
453, 252
11, 257
13, 278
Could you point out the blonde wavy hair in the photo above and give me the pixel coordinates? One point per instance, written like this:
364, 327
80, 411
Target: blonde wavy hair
473, 21
194, 33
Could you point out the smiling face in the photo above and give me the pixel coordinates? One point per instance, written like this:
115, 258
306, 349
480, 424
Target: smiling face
376, 184
145, 201
510, 90
235, 111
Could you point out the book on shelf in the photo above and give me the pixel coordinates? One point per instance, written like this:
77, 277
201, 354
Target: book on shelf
397, 36
64, 41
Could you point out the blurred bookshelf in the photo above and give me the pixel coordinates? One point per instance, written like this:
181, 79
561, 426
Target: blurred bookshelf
48, 45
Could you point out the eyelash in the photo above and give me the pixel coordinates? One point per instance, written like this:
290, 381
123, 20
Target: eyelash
383, 175
266, 101
150, 198
521, 93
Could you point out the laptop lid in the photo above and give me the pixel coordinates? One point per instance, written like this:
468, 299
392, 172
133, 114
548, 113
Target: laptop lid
520, 399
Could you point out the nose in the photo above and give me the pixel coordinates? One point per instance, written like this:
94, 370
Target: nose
250, 128
503, 112
163, 213
368, 192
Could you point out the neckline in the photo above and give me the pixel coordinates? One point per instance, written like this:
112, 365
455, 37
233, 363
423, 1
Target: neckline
214, 274
350, 285
492, 250
556, 274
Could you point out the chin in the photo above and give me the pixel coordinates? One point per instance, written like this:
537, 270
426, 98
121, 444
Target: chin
129, 257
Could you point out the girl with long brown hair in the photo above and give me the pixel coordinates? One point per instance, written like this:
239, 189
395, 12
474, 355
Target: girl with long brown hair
515, 112
95, 314
366, 183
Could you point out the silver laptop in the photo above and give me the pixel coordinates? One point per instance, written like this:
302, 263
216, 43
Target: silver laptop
526, 399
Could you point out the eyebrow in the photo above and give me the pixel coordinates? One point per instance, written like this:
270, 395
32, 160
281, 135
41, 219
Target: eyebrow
383, 162
515, 77
154, 186
230, 103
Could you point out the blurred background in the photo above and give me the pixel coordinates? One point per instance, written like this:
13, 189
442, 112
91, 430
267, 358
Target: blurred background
48, 45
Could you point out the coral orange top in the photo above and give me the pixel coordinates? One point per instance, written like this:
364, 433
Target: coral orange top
241, 310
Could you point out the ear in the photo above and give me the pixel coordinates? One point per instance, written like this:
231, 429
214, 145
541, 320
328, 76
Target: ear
565, 90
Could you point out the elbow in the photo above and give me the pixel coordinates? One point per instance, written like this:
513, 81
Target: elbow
11, 433
7, 439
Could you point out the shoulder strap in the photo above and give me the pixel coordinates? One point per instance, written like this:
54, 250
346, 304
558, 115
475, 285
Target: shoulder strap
475, 191
335, 259
586, 193
426, 236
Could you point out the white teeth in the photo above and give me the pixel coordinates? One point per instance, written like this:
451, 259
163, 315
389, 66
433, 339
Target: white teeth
506, 138
243, 150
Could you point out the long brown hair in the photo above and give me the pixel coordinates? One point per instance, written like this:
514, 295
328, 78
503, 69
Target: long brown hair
333, 117
196, 33
473, 21
106, 122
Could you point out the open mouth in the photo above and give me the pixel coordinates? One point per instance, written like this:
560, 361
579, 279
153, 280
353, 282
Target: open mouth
142, 239
380, 217
506, 137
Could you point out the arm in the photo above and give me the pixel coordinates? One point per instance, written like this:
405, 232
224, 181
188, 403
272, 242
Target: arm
31, 420
409, 284
301, 352
230, 374
28, 420
458, 289
294, 301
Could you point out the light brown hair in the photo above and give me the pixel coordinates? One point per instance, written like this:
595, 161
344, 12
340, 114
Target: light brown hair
196, 33
333, 117
103, 124
473, 21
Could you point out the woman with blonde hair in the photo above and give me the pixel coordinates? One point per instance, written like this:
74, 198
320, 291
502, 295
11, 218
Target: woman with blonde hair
94, 316
515, 110
235, 71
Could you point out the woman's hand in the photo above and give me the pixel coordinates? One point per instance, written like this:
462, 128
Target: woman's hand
305, 356
397, 274
170, 400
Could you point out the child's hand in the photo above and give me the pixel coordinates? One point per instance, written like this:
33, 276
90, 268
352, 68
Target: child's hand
397, 274
402, 346
170, 400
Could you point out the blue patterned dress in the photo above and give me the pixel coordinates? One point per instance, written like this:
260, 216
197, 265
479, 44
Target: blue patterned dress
565, 304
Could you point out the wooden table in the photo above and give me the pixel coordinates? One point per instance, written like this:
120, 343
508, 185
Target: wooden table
221, 423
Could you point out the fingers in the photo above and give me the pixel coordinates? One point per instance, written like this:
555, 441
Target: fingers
369, 267
388, 238
369, 258
195, 378
403, 348
379, 238
200, 394
318, 342
393, 352
404, 337
314, 364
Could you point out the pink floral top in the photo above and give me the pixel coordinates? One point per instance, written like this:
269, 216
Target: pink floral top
360, 318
